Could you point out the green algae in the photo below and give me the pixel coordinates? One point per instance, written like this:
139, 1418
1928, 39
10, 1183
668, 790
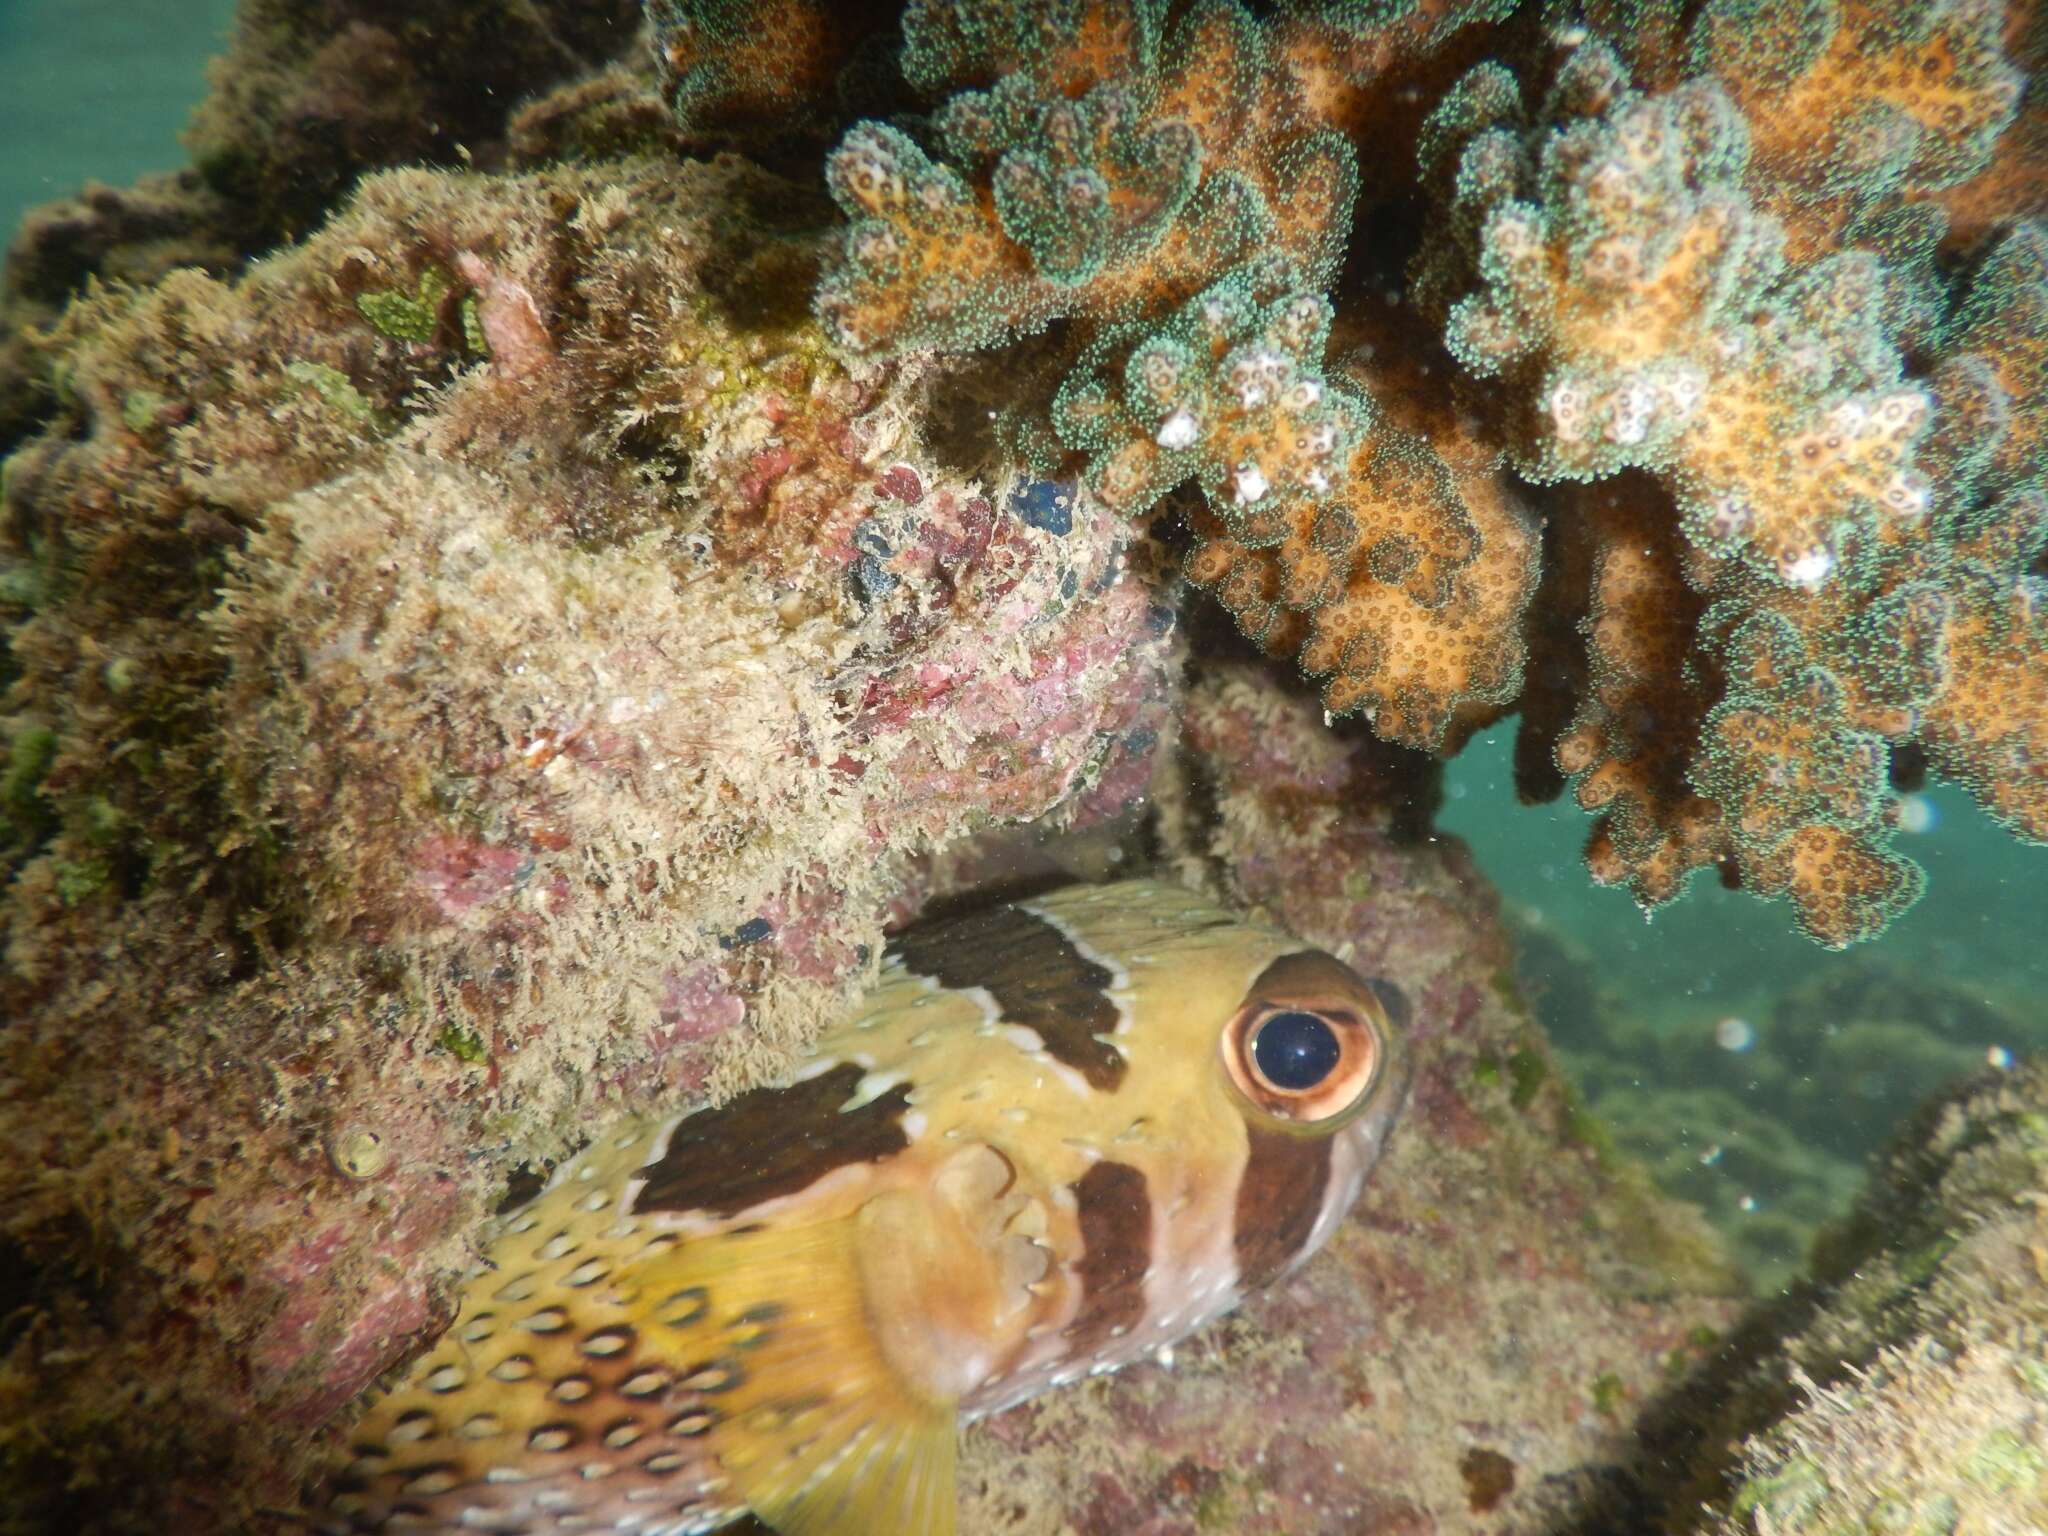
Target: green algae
79, 880
2002, 1462
334, 387
473, 327
463, 1044
1786, 1499
403, 316
140, 409
26, 814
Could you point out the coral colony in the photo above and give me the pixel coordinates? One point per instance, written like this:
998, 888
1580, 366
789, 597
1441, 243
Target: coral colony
1719, 355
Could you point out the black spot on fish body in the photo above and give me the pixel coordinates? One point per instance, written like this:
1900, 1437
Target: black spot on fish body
1114, 1208
1036, 976
1278, 1200
792, 1136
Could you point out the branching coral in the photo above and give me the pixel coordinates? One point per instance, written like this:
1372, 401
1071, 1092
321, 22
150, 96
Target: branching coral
737, 65
1162, 184
1114, 165
1643, 313
1858, 109
1681, 267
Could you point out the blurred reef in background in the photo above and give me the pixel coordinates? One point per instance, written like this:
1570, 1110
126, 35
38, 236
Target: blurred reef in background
561, 528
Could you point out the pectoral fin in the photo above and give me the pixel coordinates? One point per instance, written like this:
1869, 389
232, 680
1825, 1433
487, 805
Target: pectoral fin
848, 1421
865, 1474
826, 1437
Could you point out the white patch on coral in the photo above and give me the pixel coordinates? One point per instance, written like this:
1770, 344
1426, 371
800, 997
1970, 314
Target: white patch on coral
1810, 569
1178, 430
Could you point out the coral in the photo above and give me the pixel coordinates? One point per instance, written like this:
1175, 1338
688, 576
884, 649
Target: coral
1115, 165
766, 69
1927, 88
1817, 577
1694, 273
1165, 191
1406, 586
1644, 315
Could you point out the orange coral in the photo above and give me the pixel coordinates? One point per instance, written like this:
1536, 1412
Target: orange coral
1678, 265
765, 65
1117, 166
1405, 590
1926, 87
1644, 315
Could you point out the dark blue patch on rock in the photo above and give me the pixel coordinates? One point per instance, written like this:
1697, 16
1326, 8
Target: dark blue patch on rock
1045, 504
870, 537
752, 931
872, 580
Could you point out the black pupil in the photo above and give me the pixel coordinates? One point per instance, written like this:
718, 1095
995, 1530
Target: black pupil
1295, 1050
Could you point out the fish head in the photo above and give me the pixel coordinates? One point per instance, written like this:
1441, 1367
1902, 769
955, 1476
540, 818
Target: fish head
1244, 1087
1272, 1066
1315, 1051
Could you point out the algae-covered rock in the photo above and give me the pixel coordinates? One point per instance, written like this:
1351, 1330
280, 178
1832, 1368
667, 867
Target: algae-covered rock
1916, 1392
310, 95
1900, 1387
473, 672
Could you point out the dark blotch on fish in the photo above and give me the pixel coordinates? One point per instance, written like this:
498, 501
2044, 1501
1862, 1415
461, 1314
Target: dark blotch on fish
1278, 1201
1115, 1211
1037, 977
794, 1136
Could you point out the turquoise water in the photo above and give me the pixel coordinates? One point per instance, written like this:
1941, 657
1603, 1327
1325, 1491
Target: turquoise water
100, 89
1979, 925
97, 89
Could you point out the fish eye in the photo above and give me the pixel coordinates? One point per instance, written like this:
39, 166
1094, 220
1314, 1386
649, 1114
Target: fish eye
1310, 1041
1295, 1050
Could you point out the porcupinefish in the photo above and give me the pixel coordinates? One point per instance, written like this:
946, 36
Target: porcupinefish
1056, 1136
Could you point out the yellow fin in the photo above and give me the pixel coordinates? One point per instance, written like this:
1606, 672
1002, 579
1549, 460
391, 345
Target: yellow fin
864, 1475
820, 1435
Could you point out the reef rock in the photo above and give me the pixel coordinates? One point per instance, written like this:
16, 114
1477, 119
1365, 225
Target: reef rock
1903, 1388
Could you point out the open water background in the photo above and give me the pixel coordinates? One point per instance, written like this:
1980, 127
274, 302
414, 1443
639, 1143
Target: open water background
100, 89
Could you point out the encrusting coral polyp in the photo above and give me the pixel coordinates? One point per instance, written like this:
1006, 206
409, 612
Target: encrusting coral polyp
1702, 260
